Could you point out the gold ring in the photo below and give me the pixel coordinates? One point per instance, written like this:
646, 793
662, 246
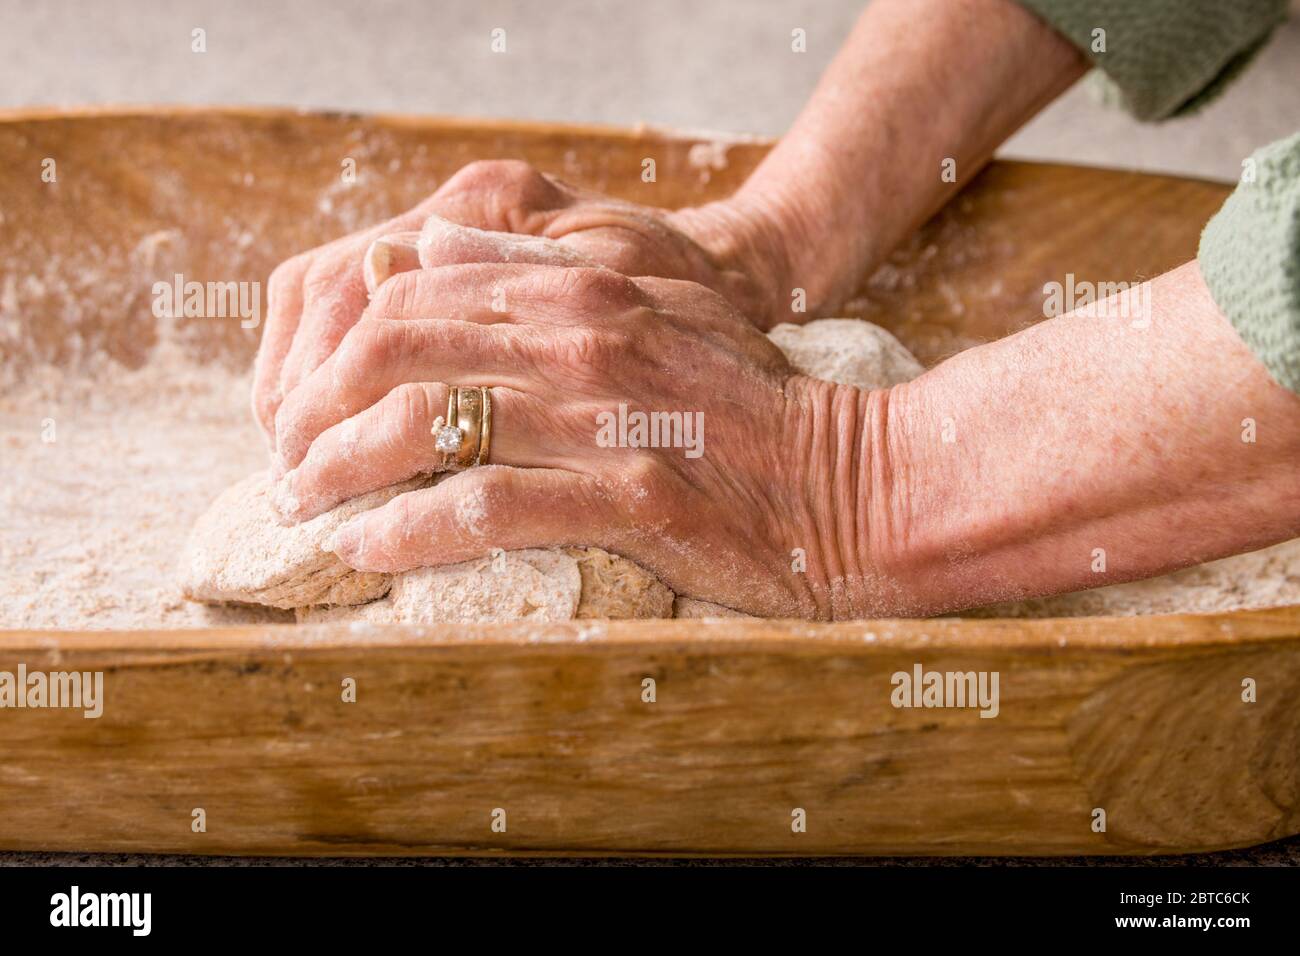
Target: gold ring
469, 419
485, 437
464, 436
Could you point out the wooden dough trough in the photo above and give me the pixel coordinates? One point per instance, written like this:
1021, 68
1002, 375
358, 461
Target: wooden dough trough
753, 720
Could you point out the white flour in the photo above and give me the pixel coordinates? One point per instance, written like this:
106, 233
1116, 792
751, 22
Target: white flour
93, 523
1267, 578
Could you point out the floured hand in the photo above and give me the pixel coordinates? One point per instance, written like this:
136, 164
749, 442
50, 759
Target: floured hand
741, 474
316, 297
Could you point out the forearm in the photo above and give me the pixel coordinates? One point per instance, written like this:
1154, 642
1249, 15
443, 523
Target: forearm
1086, 450
918, 82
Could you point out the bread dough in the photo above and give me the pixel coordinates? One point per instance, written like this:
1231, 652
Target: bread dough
614, 587
239, 551
529, 585
847, 352
691, 607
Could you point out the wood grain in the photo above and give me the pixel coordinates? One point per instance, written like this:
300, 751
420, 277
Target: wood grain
1142, 717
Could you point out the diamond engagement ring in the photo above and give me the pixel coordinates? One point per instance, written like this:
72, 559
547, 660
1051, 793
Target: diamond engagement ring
464, 436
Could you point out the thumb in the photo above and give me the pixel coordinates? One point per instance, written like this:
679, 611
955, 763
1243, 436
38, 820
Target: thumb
387, 256
446, 243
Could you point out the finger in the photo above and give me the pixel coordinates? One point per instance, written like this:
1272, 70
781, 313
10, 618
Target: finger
629, 240
392, 441
335, 296
445, 243
377, 357
471, 513
389, 255
503, 196
491, 293
500, 196
284, 306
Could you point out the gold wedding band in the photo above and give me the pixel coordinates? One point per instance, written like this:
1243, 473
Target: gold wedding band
465, 435
469, 419
485, 431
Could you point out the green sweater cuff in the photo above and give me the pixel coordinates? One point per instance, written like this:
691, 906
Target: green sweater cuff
1250, 258
1163, 58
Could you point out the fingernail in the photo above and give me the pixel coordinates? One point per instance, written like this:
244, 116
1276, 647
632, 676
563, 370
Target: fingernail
387, 256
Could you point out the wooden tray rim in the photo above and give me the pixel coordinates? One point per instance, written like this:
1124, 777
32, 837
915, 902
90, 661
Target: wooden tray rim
1258, 627
441, 121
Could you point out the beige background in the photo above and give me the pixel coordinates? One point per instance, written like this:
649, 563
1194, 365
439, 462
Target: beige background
701, 64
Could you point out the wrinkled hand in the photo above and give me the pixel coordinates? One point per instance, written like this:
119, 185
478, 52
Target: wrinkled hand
716, 517
316, 297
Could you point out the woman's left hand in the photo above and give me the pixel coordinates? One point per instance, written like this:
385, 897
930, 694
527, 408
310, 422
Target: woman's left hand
565, 351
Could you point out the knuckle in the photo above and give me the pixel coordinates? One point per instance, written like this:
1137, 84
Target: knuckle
368, 344
643, 472
493, 482
286, 279
398, 297
584, 348
410, 409
286, 423
491, 174
407, 511
406, 516
590, 290
646, 495
640, 329
335, 281
494, 491
603, 285
508, 190
508, 493
264, 407
288, 273
319, 276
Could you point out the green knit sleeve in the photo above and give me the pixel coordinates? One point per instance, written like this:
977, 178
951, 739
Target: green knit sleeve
1163, 58
1250, 258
